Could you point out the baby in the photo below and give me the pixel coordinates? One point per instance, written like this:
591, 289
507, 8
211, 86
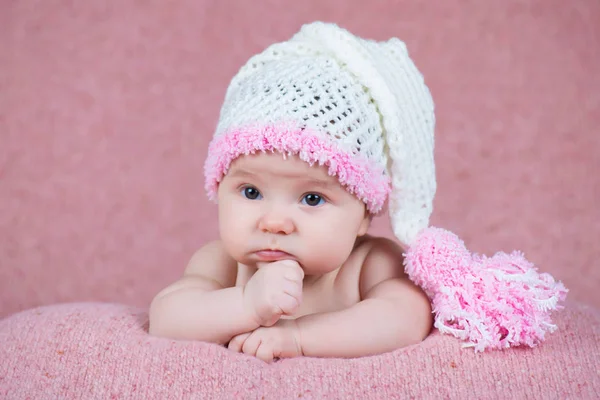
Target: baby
299, 165
294, 272
316, 135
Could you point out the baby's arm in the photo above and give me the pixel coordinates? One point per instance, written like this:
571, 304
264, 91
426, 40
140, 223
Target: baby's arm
204, 304
393, 313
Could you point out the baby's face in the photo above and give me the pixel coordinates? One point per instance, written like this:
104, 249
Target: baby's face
271, 208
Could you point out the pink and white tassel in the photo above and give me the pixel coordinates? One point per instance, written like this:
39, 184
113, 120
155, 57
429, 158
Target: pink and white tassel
488, 302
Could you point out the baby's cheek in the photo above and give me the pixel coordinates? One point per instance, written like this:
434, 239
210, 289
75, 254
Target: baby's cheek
333, 245
233, 237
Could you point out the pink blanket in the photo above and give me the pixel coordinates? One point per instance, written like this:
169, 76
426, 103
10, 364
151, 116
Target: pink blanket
102, 351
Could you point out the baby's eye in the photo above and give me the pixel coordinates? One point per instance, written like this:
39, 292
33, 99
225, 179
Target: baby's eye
251, 193
313, 200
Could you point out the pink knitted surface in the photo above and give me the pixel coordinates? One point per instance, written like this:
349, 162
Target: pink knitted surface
102, 351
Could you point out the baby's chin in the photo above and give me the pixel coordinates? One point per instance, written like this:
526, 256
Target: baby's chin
315, 270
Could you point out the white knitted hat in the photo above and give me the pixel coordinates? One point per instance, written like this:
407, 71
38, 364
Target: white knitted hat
357, 106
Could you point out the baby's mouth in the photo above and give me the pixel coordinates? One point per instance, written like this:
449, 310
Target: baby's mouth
273, 255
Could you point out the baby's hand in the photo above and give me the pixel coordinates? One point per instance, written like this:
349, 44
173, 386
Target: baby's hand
274, 290
281, 340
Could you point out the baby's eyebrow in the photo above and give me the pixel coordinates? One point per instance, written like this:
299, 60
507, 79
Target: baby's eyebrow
302, 179
316, 182
241, 173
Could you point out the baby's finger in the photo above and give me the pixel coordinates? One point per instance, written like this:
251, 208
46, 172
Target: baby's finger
236, 343
288, 304
294, 273
251, 344
294, 290
265, 352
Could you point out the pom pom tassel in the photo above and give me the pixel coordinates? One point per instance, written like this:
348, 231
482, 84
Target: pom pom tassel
488, 302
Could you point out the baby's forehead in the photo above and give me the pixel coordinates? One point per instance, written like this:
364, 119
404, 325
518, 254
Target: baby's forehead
275, 163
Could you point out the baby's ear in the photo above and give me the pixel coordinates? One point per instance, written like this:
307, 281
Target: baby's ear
365, 223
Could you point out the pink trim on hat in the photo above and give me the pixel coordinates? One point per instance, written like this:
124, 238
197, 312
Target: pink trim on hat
361, 177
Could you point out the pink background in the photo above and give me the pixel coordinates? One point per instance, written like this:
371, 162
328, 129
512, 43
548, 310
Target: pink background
106, 111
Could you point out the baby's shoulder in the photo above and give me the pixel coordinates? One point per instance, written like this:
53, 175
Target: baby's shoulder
214, 262
370, 247
374, 252
378, 259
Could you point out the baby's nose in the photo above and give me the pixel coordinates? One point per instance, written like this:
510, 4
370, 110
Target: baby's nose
277, 222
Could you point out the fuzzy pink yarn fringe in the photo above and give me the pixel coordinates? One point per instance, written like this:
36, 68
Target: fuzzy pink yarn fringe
361, 176
490, 303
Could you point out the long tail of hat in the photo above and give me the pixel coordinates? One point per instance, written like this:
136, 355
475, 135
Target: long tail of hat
489, 303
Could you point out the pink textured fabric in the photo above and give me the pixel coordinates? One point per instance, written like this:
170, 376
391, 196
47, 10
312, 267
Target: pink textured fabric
362, 178
107, 109
102, 351
489, 302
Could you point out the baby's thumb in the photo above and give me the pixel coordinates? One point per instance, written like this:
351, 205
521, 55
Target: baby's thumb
296, 265
262, 264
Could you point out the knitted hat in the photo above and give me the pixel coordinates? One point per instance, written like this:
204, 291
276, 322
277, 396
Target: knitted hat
359, 107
